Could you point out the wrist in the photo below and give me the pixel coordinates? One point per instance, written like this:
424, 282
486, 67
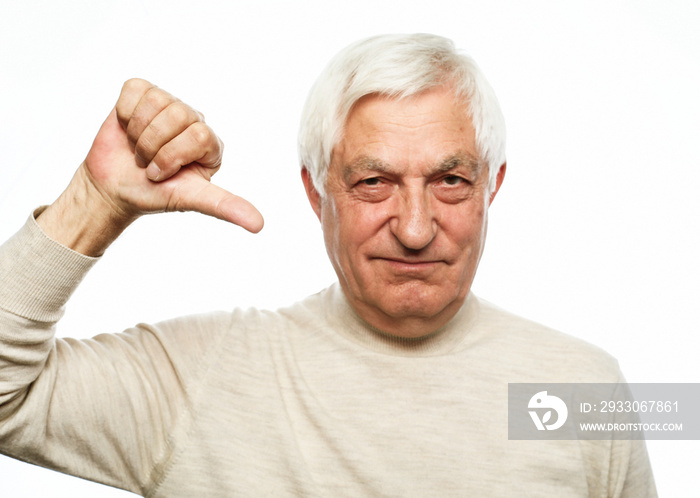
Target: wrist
83, 219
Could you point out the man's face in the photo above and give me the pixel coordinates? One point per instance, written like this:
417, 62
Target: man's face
405, 211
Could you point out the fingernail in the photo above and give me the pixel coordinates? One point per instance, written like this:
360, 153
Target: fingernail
153, 171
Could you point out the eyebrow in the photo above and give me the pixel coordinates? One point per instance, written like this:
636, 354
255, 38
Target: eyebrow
367, 163
460, 159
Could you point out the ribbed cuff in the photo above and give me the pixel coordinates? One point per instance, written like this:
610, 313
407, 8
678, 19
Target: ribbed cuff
37, 274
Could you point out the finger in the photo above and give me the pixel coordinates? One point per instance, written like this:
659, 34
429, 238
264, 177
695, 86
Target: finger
198, 194
197, 144
163, 128
132, 92
152, 103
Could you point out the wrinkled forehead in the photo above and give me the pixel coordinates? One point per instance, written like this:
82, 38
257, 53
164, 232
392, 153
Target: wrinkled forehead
439, 103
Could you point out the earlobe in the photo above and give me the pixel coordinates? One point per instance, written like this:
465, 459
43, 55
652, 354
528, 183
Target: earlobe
499, 181
311, 192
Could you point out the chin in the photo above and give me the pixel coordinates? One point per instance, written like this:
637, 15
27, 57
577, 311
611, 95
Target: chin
415, 303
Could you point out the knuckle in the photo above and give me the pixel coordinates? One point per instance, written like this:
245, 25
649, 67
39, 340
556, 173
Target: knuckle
158, 98
179, 114
135, 84
131, 92
201, 134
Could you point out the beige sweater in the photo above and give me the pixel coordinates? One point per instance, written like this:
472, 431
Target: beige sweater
304, 401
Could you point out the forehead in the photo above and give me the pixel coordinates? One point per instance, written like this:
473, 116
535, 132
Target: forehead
428, 127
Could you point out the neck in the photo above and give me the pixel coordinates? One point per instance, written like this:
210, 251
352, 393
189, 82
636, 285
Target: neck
346, 322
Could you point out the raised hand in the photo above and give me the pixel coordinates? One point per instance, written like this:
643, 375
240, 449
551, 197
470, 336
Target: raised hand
152, 154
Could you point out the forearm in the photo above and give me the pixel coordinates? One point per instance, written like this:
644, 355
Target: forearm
37, 277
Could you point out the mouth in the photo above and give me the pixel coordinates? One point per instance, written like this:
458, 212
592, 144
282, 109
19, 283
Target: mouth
408, 265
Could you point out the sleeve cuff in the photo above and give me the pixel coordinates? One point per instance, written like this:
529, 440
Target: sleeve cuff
37, 274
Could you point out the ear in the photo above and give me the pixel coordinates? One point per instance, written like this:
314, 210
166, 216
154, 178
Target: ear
311, 192
499, 181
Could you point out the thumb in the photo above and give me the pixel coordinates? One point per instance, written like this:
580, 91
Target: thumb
204, 197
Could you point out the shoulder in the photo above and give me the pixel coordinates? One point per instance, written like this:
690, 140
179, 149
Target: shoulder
540, 353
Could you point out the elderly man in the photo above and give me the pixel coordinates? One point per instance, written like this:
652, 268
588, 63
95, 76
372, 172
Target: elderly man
392, 382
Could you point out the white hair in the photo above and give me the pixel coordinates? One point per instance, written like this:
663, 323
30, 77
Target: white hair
396, 66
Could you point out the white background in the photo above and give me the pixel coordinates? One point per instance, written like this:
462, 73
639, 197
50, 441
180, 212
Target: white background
594, 232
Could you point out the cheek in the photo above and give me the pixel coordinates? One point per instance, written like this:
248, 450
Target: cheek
465, 229
331, 228
357, 223
343, 233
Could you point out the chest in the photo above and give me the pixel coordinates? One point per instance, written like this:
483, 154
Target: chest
326, 428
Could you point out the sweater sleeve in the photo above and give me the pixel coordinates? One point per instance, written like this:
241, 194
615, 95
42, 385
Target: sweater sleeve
630, 464
107, 409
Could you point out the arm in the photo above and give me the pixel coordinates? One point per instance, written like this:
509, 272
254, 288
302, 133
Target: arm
105, 409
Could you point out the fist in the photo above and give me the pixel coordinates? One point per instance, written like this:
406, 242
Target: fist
154, 153
164, 133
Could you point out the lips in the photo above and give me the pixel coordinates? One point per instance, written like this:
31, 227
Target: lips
417, 262
408, 265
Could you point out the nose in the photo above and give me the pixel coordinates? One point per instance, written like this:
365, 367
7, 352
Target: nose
414, 224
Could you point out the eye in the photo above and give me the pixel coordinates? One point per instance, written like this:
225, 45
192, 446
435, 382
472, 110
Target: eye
452, 188
371, 182
454, 180
373, 189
